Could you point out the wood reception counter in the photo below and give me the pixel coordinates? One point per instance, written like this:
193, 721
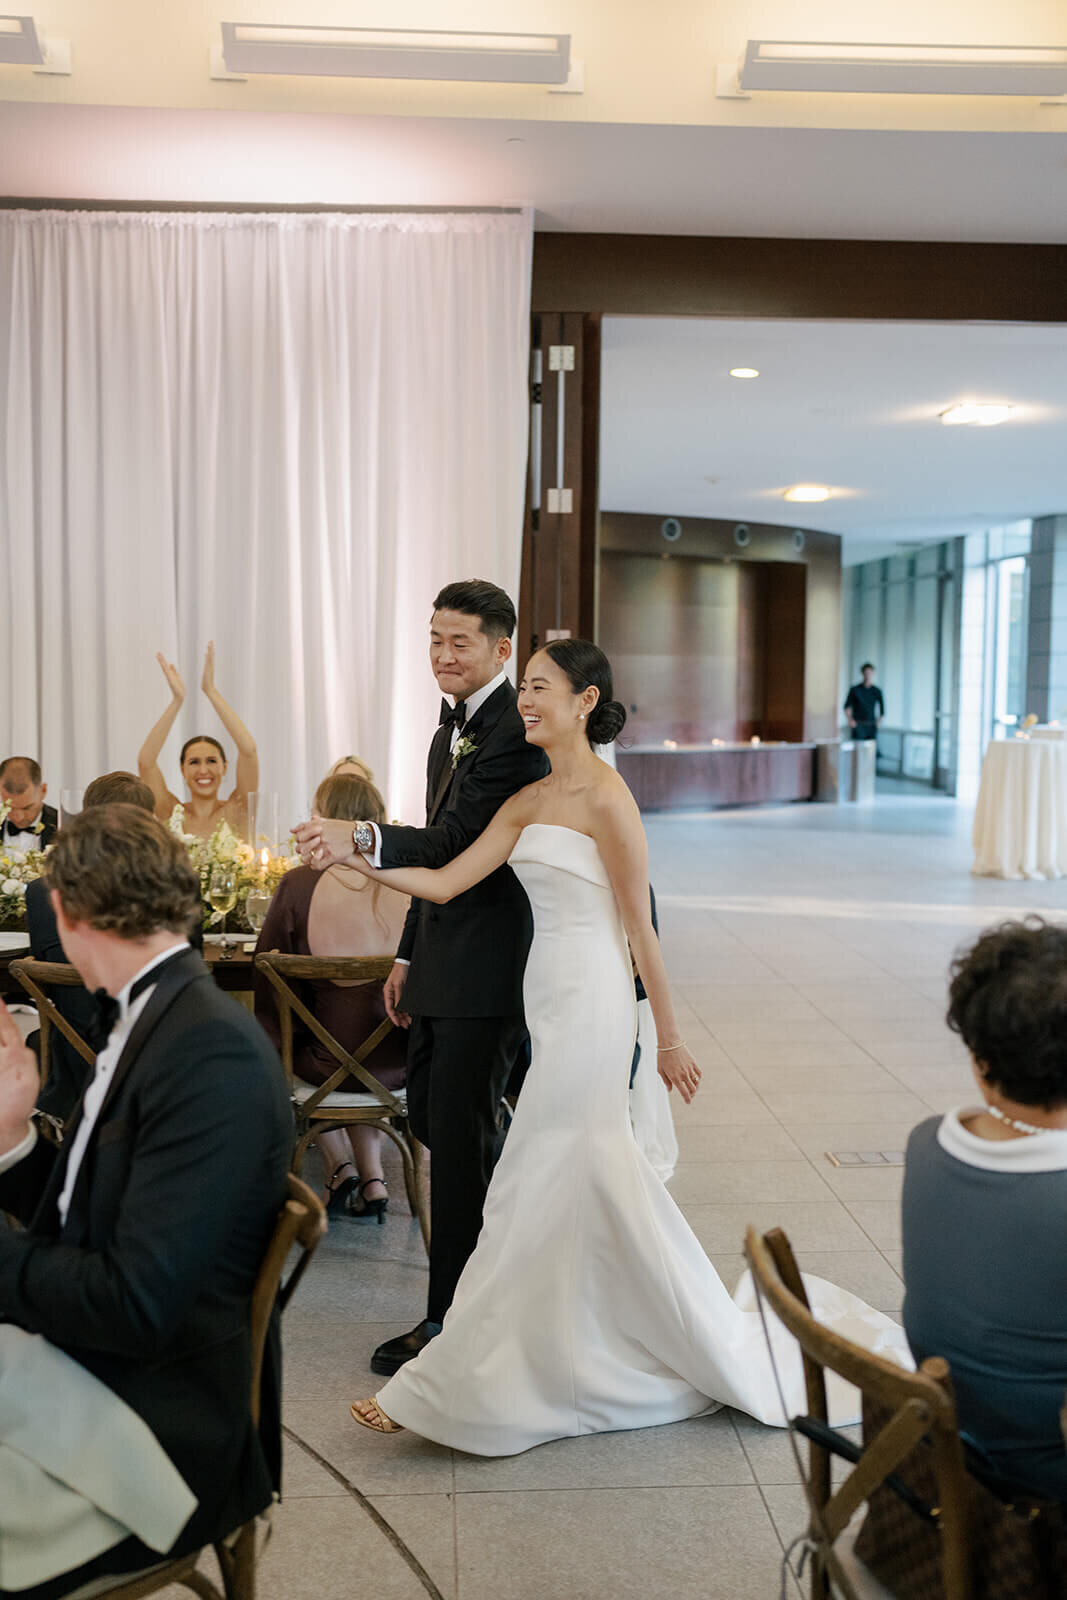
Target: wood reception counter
666, 777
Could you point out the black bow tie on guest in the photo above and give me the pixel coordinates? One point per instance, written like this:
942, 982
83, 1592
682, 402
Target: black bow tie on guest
454, 716
107, 1007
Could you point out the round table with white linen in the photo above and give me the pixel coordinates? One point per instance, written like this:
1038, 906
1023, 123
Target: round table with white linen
1020, 821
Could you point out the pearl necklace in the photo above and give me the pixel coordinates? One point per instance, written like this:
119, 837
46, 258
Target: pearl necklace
1012, 1122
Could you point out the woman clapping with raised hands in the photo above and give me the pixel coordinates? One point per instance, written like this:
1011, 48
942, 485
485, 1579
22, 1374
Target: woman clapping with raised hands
203, 760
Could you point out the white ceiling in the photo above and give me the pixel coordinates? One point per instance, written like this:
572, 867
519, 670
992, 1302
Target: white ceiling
597, 177
853, 405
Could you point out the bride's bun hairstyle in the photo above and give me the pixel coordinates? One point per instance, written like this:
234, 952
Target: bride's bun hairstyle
586, 666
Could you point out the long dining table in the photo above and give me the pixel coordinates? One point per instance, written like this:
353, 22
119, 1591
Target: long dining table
230, 966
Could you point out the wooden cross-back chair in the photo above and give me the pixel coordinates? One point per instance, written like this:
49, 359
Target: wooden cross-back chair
37, 977
325, 1107
301, 1222
918, 1406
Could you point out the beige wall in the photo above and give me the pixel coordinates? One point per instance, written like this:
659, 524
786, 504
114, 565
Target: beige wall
643, 63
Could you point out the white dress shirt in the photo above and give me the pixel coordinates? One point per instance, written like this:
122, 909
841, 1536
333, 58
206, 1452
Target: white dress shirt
25, 839
106, 1062
475, 701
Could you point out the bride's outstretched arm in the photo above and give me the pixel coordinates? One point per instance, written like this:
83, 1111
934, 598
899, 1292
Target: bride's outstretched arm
438, 884
623, 848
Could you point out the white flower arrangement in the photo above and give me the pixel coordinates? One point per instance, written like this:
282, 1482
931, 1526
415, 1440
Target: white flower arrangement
224, 849
17, 869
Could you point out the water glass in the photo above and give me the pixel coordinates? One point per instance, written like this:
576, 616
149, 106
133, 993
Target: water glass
256, 907
71, 802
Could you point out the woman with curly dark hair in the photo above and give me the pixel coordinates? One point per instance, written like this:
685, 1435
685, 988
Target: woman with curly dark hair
985, 1210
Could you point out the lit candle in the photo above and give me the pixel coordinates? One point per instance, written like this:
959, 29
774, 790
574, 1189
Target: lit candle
264, 860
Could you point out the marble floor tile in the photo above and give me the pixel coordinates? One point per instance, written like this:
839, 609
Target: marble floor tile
880, 1221
702, 1452
859, 1077
810, 1224
759, 1141
631, 1544
710, 1183
798, 1108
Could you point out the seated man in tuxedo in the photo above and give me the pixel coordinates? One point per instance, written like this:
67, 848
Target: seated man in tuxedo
145, 1230
67, 1071
30, 824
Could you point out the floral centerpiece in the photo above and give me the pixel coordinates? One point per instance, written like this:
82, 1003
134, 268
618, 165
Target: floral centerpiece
224, 849
17, 869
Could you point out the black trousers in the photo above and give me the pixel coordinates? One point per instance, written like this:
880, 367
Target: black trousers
458, 1069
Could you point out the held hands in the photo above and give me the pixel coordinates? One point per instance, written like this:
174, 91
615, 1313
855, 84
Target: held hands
324, 843
678, 1070
173, 677
19, 1083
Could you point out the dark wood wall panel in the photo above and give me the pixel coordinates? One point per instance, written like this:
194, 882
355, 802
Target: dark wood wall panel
645, 275
711, 641
670, 630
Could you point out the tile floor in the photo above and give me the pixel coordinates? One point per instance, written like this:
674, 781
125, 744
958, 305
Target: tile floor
809, 947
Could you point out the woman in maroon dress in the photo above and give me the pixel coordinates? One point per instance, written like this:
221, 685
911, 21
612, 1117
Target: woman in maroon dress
339, 913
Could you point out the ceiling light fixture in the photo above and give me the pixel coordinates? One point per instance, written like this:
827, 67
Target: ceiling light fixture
249, 47
744, 372
808, 492
975, 414
828, 68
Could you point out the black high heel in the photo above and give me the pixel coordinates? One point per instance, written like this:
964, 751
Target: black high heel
362, 1209
337, 1204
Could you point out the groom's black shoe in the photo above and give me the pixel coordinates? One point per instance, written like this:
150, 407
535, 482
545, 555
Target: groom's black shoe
391, 1356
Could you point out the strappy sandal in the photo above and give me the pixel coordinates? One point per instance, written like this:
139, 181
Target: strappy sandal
362, 1209
380, 1423
337, 1204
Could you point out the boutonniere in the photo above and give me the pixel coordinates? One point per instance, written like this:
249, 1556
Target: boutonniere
462, 747
38, 827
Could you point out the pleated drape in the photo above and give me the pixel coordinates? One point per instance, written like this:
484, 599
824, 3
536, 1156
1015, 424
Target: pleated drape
281, 432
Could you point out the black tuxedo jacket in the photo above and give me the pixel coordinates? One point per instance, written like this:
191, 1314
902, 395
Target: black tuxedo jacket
49, 827
467, 958
147, 1284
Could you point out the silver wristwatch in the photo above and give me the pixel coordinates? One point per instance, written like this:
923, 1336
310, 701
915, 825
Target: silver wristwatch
363, 838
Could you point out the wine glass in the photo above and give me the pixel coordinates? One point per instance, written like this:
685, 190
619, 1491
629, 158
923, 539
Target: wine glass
222, 893
256, 907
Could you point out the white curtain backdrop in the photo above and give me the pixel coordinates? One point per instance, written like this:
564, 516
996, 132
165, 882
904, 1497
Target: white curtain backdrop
280, 432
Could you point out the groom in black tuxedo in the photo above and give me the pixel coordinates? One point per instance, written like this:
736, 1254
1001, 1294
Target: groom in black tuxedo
457, 980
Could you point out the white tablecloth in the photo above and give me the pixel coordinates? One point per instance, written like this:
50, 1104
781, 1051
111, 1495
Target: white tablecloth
1045, 730
1020, 822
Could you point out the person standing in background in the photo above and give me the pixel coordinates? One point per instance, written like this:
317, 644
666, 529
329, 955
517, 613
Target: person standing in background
865, 707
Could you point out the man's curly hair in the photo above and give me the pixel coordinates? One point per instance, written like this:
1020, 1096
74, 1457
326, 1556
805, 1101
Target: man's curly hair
121, 871
1008, 1003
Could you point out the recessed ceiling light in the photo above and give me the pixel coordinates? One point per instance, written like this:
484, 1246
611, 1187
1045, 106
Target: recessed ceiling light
744, 372
808, 492
976, 414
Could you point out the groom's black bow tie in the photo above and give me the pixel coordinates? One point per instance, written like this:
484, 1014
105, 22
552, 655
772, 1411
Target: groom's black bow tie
453, 716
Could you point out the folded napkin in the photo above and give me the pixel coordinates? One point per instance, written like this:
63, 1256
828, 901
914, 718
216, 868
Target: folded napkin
79, 1471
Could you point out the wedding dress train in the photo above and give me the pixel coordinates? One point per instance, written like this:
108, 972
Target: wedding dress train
589, 1304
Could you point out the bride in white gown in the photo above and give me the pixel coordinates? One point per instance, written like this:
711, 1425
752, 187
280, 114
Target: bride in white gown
588, 1304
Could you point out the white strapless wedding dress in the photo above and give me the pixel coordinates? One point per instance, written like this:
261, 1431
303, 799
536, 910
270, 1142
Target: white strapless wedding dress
588, 1304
